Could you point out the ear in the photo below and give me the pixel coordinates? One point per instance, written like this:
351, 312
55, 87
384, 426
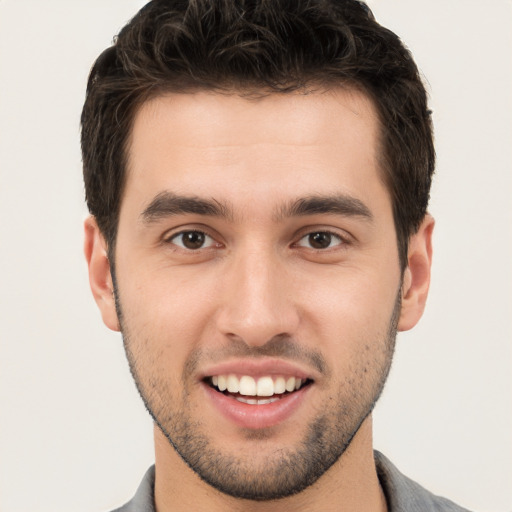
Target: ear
100, 278
416, 278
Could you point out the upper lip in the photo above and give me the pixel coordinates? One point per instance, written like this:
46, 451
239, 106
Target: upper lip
259, 367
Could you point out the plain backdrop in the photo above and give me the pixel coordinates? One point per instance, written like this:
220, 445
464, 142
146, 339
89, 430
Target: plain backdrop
73, 432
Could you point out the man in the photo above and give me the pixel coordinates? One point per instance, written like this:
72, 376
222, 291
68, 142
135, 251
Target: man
258, 176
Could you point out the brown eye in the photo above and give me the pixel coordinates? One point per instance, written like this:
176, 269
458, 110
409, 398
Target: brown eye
320, 240
192, 240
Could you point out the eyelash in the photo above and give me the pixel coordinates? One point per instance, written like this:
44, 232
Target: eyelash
172, 239
342, 241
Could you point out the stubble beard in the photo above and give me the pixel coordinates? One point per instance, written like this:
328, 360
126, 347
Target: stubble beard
289, 471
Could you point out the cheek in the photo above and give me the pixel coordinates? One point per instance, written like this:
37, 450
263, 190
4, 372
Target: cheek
167, 312
350, 301
349, 319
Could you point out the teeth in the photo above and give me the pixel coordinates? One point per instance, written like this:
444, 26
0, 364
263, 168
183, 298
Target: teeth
279, 385
247, 386
264, 386
221, 383
290, 384
233, 384
253, 401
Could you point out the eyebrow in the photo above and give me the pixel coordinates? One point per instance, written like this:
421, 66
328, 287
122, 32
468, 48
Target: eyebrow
339, 204
167, 204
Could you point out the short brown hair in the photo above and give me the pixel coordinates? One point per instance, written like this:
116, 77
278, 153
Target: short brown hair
267, 46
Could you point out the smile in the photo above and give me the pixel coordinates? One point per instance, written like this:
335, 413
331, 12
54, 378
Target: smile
246, 386
266, 392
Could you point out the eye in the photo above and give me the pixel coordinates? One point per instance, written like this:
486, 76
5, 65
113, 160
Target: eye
192, 240
320, 240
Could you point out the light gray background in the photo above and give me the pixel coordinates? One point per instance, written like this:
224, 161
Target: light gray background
73, 432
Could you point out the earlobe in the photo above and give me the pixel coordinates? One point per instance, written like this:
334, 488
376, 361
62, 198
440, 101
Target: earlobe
416, 279
100, 278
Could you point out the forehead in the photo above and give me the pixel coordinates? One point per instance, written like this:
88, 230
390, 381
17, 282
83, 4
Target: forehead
309, 118
223, 144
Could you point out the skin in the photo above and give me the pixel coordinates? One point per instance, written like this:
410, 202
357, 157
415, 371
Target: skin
256, 280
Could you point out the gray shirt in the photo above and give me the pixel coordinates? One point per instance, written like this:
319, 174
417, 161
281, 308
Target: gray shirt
402, 493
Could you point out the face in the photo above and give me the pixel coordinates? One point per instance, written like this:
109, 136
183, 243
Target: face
257, 281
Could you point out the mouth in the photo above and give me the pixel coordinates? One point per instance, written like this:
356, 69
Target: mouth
261, 390
258, 393
257, 402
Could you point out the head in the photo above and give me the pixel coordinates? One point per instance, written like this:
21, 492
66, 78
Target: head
258, 48
258, 175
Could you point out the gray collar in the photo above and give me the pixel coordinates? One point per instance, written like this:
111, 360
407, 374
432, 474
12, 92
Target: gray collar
405, 495
402, 493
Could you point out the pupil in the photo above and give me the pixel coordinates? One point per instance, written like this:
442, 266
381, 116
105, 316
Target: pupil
193, 239
320, 240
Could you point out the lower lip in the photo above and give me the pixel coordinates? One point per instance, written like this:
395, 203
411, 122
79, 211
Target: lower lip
257, 416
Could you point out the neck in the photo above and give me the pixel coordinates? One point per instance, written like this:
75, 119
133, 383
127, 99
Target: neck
350, 484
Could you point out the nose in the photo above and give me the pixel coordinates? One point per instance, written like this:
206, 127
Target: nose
257, 299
